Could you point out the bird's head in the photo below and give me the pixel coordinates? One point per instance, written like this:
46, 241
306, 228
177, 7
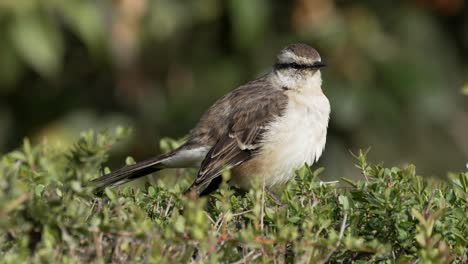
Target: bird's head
299, 63
299, 57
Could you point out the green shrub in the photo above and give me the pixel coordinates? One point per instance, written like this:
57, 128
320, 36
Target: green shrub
47, 214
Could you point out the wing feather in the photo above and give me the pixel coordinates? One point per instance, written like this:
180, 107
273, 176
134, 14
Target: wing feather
254, 107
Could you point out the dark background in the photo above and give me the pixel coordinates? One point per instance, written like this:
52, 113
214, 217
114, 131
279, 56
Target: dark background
397, 76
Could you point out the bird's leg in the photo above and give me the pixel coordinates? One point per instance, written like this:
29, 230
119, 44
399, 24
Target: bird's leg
274, 197
269, 192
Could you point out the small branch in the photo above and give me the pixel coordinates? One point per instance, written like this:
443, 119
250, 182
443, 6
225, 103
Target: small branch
340, 237
342, 229
241, 213
248, 258
168, 207
14, 204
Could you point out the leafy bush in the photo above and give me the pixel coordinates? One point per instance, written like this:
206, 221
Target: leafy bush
47, 214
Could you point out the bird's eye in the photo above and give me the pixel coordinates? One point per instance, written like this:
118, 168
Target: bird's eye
297, 66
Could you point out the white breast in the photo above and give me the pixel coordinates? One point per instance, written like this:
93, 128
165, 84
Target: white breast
296, 138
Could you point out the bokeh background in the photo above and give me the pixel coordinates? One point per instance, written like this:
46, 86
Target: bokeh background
397, 76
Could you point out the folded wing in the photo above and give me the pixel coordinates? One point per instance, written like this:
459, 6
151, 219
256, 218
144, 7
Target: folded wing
257, 105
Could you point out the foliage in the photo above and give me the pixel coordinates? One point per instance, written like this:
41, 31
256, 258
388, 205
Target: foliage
47, 214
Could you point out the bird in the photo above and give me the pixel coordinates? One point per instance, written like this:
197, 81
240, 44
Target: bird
263, 130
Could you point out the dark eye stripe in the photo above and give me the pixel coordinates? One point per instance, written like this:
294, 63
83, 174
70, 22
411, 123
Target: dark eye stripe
297, 66
291, 66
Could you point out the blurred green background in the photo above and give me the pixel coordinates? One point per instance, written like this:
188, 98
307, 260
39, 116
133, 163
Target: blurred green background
397, 76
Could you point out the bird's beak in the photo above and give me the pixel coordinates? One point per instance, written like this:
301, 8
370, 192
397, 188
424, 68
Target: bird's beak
318, 65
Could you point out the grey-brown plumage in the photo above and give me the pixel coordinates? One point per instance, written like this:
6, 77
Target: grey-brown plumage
243, 115
233, 131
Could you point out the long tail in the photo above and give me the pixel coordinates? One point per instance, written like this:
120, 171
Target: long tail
129, 173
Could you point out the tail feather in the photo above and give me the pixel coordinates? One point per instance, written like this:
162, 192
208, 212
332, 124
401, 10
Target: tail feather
128, 173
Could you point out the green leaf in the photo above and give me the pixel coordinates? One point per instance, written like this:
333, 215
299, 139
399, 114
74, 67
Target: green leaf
111, 194
38, 43
179, 224
344, 201
129, 160
294, 219
39, 189
151, 191
350, 182
85, 19
76, 186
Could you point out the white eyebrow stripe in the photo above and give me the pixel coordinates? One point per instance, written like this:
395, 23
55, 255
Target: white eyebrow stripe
290, 57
